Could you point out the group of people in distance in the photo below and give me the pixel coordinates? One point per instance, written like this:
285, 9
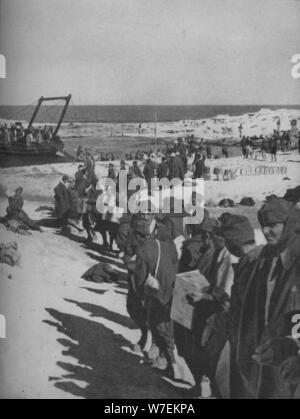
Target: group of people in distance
73, 194
171, 162
16, 133
279, 141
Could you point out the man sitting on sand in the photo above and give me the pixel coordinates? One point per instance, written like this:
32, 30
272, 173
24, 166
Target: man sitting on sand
15, 211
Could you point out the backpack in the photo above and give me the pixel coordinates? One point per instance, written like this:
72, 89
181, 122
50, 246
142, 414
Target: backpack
9, 254
247, 202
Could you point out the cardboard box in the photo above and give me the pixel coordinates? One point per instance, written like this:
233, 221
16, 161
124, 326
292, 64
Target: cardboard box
186, 284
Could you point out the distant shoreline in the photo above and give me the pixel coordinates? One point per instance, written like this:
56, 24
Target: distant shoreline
135, 114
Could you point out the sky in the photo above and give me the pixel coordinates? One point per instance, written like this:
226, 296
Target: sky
158, 52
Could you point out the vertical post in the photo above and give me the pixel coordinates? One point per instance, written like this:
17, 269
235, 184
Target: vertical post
68, 100
278, 125
241, 129
155, 131
35, 113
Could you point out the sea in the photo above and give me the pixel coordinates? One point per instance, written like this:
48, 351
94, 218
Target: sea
131, 114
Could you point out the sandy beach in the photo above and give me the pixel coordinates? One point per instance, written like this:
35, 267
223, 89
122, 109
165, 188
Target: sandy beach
203, 93
220, 127
69, 338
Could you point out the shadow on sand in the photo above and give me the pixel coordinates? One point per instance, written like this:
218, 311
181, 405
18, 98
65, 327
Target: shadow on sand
50, 221
95, 291
104, 255
104, 368
101, 312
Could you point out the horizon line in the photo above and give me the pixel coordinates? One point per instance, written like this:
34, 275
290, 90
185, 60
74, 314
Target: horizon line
164, 105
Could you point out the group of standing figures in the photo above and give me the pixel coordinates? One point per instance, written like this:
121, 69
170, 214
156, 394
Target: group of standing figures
249, 304
265, 145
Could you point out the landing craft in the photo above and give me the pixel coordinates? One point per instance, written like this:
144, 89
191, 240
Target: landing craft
47, 150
